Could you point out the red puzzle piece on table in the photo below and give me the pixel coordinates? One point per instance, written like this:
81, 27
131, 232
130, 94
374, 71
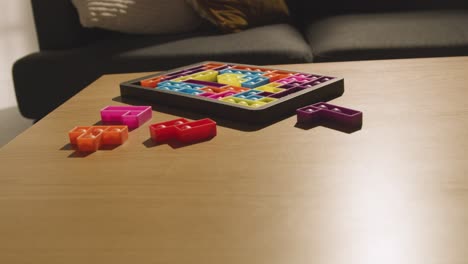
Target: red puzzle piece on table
183, 130
162, 132
90, 138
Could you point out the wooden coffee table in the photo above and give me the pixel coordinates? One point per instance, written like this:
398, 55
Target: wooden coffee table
394, 192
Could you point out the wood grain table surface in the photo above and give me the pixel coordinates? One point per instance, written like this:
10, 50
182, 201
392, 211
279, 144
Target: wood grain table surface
395, 191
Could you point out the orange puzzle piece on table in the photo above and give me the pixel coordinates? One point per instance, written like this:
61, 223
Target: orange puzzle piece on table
90, 138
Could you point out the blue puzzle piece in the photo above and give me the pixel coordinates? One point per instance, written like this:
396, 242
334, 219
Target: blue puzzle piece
191, 91
254, 97
169, 88
256, 82
247, 94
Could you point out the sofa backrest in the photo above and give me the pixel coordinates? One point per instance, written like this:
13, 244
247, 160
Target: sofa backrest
306, 8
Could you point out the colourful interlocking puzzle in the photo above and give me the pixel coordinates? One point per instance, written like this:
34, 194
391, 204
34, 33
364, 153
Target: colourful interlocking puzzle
246, 93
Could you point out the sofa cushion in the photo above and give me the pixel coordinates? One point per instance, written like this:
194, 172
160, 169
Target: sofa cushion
236, 15
307, 9
389, 35
138, 17
272, 44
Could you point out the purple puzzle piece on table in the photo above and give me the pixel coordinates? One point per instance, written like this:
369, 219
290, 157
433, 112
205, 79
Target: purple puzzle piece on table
131, 116
332, 113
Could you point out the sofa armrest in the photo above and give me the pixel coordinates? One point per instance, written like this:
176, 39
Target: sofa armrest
58, 25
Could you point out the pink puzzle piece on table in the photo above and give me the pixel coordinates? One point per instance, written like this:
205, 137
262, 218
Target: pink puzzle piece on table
131, 116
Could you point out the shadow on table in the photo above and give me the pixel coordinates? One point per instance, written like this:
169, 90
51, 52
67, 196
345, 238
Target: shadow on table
331, 125
175, 144
79, 154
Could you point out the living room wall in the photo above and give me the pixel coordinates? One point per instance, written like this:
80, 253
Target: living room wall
17, 38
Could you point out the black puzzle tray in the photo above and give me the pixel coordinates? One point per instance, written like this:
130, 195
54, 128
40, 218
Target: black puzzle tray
246, 93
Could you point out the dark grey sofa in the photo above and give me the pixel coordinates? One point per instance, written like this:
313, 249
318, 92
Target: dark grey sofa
71, 57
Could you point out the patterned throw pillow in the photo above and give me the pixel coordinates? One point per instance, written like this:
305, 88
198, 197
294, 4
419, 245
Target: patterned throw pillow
138, 16
236, 15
